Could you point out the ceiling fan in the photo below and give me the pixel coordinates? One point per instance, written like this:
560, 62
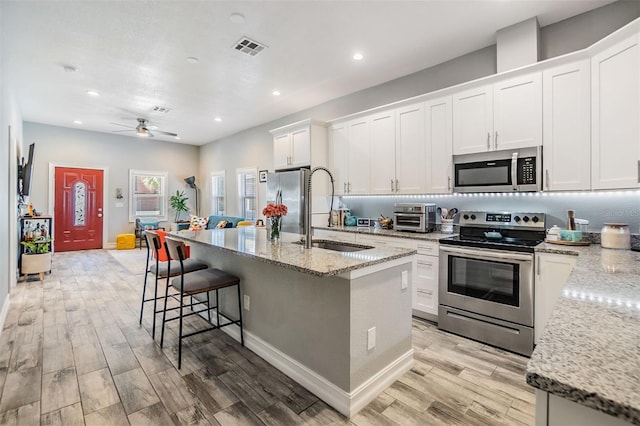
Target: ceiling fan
143, 129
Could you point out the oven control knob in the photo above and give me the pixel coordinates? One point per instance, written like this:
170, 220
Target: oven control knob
466, 217
517, 218
535, 219
526, 219
473, 217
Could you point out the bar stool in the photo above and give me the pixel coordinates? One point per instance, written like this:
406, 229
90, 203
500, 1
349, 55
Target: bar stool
161, 270
193, 283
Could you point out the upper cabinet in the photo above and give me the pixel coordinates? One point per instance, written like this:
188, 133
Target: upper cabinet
349, 152
382, 173
504, 115
292, 145
410, 150
566, 128
438, 144
615, 114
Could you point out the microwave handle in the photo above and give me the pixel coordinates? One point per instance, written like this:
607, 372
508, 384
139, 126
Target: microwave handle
514, 171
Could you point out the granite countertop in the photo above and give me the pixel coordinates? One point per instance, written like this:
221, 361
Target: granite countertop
252, 242
590, 350
428, 236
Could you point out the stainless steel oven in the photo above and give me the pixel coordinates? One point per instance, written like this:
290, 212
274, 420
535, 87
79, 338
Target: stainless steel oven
499, 171
486, 281
416, 217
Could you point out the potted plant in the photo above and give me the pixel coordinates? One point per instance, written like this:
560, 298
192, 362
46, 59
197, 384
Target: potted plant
36, 258
178, 204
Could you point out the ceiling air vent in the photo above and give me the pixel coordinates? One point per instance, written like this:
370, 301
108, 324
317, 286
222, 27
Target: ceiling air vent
248, 46
160, 109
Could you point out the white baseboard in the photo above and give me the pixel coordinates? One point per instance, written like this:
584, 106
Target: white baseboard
109, 246
4, 312
347, 403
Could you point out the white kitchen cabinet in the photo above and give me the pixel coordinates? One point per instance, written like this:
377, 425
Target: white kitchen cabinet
292, 144
615, 115
325, 234
338, 143
438, 145
425, 283
504, 115
382, 173
552, 271
384, 241
566, 128
473, 120
517, 112
410, 150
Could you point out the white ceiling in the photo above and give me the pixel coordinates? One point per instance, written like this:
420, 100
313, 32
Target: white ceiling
134, 53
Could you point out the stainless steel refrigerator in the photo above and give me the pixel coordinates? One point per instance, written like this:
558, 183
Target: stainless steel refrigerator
289, 188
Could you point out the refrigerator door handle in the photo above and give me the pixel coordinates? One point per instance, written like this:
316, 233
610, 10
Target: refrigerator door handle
279, 196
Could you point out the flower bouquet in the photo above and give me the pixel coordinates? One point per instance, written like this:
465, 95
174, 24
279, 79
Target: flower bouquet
274, 212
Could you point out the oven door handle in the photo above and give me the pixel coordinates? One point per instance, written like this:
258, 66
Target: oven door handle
486, 254
514, 171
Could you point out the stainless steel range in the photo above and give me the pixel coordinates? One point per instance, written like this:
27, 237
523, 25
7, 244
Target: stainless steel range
486, 278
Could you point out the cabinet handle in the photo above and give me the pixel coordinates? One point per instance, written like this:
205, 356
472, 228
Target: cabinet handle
344, 187
427, 292
495, 141
349, 187
638, 171
488, 140
546, 177
391, 185
396, 185
449, 183
538, 268
425, 263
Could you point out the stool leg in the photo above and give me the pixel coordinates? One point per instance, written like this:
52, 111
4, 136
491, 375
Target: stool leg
155, 308
164, 312
208, 307
180, 331
144, 289
240, 315
217, 308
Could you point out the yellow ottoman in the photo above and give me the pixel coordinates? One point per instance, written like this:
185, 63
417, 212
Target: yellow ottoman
125, 241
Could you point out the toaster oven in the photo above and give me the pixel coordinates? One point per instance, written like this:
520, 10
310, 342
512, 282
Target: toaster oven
415, 217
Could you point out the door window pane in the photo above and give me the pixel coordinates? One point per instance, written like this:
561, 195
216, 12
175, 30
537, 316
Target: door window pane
79, 203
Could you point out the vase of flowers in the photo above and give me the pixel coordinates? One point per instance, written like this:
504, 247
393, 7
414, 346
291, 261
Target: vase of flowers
274, 212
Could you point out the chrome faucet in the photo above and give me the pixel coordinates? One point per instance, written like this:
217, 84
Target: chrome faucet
307, 204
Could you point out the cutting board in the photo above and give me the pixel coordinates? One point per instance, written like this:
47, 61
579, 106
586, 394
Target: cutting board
569, 243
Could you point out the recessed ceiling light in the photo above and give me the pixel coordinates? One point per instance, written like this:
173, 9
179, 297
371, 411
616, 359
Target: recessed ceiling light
236, 18
276, 93
358, 56
77, 122
93, 93
218, 119
193, 60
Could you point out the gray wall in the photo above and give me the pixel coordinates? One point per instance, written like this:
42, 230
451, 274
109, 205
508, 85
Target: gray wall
75, 147
253, 147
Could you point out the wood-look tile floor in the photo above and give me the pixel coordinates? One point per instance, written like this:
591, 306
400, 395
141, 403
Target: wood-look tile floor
72, 352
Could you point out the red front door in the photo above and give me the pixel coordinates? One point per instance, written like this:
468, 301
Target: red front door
78, 209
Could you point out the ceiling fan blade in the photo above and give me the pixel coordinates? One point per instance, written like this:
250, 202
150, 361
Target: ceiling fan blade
119, 131
166, 133
123, 125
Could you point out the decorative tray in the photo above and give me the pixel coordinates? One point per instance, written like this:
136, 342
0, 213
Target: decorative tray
569, 243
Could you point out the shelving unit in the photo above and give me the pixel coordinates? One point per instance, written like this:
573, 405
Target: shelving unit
33, 227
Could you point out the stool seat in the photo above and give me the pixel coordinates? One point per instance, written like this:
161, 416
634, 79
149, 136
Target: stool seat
190, 265
205, 280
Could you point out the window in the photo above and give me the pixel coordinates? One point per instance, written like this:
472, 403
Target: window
147, 194
217, 193
247, 193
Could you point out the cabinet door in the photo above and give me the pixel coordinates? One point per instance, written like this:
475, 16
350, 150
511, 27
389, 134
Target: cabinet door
358, 156
410, 153
383, 156
347, 237
552, 271
438, 145
566, 128
425, 285
300, 148
281, 151
473, 120
338, 156
517, 112
615, 114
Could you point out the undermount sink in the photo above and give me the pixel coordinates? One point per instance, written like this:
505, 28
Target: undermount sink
337, 246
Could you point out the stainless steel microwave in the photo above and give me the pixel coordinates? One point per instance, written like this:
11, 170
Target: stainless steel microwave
499, 171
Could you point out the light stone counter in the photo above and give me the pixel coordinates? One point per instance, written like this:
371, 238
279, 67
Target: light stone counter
590, 350
252, 242
428, 236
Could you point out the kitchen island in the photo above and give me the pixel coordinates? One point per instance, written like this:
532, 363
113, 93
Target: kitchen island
338, 323
588, 360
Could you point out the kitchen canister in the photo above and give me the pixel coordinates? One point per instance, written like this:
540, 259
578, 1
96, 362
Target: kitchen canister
615, 236
446, 226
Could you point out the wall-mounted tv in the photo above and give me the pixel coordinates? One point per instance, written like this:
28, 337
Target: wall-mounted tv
25, 173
